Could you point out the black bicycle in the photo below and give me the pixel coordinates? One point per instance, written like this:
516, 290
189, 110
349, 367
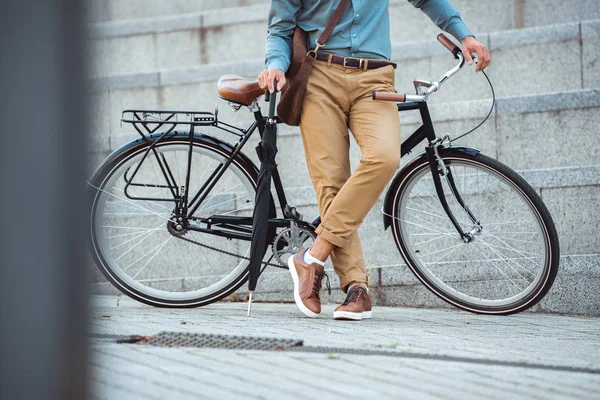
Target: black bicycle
171, 212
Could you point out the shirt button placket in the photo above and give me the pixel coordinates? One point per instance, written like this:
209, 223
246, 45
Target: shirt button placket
355, 27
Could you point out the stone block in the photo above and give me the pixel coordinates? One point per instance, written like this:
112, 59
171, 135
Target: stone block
141, 80
130, 9
543, 102
409, 23
231, 42
549, 139
407, 296
487, 15
540, 34
192, 96
535, 68
575, 290
99, 115
179, 49
145, 26
122, 55
575, 214
237, 15
546, 12
563, 177
590, 35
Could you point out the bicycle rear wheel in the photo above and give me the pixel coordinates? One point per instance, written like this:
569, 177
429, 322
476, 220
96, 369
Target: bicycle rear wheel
513, 258
136, 246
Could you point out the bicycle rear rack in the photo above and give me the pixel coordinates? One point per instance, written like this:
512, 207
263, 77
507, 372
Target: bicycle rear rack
146, 123
162, 117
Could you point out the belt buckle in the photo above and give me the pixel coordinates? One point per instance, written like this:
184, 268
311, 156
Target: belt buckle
360, 62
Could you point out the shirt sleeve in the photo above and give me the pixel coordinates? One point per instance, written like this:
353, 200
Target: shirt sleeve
445, 16
281, 24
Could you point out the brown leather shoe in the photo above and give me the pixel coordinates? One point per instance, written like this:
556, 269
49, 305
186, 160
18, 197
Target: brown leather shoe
307, 284
356, 306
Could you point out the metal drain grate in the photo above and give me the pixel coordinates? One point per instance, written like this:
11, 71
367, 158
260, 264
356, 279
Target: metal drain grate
200, 340
186, 339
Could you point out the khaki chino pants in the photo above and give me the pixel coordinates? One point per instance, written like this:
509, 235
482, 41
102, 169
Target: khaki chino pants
338, 99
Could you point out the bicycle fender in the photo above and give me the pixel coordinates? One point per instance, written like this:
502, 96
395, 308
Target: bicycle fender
198, 137
397, 179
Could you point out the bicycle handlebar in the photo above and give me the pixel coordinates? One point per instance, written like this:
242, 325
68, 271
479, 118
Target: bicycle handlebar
449, 44
397, 97
433, 86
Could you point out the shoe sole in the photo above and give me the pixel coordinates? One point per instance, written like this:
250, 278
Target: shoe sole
297, 299
346, 315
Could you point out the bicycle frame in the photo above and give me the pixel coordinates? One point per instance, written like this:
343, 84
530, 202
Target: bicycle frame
186, 204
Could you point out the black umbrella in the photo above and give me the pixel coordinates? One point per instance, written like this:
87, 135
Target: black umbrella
266, 150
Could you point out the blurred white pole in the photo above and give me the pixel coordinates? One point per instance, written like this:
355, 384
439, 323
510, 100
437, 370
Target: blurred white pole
42, 153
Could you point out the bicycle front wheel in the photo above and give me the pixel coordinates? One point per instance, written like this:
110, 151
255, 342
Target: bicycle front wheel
512, 259
139, 249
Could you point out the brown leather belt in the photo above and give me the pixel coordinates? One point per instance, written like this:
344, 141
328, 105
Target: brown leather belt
353, 62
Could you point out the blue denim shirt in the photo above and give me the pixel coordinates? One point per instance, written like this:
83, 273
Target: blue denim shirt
362, 31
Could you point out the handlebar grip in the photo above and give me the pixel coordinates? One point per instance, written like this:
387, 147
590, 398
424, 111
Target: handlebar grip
267, 96
447, 43
383, 96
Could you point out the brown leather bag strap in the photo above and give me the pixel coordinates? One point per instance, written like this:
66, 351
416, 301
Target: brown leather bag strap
332, 22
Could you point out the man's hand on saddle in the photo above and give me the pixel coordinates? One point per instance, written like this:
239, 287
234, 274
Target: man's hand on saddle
266, 78
471, 45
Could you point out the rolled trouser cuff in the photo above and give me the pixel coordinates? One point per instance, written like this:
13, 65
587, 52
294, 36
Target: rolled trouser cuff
330, 237
352, 277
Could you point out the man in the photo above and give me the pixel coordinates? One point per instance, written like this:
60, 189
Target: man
338, 98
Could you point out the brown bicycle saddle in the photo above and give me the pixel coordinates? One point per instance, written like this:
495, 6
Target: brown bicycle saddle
238, 89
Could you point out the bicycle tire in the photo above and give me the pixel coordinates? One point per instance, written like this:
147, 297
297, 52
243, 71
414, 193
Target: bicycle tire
221, 150
516, 187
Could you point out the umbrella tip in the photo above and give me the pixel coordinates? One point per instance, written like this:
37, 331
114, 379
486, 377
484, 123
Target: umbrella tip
249, 303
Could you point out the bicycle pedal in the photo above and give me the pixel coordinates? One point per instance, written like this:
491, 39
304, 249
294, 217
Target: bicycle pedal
291, 212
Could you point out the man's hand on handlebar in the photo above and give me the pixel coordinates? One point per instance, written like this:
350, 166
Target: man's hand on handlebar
266, 78
472, 45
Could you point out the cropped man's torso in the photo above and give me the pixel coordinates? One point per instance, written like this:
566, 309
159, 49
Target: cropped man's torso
363, 30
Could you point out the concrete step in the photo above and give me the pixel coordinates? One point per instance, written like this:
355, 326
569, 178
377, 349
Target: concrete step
148, 44
119, 10
536, 60
524, 132
499, 14
569, 193
574, 291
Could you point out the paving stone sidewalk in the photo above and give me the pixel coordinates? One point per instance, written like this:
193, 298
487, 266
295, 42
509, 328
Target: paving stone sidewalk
447, 354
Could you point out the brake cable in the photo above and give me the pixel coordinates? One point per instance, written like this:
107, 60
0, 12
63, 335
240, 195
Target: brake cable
489, 113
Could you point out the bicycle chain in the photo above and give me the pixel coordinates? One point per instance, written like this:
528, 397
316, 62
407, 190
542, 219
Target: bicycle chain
182, 237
